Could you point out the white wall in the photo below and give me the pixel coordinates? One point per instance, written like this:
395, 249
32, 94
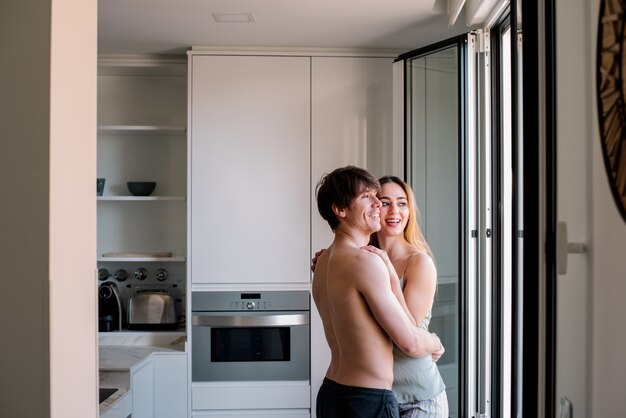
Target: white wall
592, 294
72, 239
574, 109
608, 289
47, 217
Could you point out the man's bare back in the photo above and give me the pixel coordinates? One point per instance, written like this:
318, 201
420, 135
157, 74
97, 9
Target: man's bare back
361, 350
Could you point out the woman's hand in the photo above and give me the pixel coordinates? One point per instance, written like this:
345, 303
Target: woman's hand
383, 255
315, 257
438, 353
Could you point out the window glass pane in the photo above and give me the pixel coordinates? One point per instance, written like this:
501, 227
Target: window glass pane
433, 103
507, 217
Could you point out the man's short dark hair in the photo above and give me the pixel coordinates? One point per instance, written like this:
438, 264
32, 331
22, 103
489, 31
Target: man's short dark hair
339, 188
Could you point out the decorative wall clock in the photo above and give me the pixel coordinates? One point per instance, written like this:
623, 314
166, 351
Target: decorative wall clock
611, 95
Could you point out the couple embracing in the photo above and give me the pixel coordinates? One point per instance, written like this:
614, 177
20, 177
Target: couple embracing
375, 302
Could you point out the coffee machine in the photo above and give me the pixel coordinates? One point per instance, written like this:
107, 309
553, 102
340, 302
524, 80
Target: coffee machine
110, 315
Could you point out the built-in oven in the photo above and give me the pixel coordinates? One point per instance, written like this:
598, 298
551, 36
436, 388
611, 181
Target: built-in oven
250, 336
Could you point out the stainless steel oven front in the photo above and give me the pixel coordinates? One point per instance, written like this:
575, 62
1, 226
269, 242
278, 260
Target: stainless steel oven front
250, 336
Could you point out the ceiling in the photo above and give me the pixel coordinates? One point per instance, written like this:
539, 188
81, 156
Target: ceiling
173, 26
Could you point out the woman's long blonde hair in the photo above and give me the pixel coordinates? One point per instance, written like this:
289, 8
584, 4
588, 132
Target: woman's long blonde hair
412, 232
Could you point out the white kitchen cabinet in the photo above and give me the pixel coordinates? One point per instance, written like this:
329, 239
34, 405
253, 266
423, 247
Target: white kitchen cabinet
120, 409
352, 102
250, 169
351, 123
170, 385
156, 380
256, 395
142, 390
142, 137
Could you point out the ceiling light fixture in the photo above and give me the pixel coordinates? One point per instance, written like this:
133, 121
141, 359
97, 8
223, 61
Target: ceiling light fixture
234, 17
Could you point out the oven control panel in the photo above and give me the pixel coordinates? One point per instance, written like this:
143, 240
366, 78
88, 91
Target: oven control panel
248, 305
213, 301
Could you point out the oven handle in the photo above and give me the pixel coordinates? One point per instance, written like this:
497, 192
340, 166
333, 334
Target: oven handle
250, 321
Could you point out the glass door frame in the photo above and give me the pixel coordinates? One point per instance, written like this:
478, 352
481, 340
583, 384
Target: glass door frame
534, 128
505, 226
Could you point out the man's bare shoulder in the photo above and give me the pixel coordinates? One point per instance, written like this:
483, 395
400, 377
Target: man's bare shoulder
347, 255
357, 264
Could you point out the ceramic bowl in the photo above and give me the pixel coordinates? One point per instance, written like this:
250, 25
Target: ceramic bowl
141, 188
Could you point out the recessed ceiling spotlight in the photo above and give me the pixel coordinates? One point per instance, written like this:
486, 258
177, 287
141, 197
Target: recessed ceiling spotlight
234, 17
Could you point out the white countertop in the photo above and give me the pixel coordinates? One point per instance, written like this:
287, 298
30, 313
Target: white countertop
123, 357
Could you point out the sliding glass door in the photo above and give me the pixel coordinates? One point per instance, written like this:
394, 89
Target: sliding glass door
461, 161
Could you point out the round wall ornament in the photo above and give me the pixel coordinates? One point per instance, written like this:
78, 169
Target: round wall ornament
611, 95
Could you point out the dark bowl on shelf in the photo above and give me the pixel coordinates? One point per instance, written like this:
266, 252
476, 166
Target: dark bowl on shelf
141, 188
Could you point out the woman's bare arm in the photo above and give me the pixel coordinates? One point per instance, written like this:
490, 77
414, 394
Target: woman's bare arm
421, 285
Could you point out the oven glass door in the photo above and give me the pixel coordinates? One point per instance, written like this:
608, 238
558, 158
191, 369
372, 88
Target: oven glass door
250, 346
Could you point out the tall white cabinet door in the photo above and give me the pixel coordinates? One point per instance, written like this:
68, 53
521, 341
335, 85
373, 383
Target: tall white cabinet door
250, 169
142, 389
170, 385
352, 100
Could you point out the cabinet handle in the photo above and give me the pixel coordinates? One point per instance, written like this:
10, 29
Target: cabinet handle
250, 321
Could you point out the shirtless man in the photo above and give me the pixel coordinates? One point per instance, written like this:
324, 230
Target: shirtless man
361, 314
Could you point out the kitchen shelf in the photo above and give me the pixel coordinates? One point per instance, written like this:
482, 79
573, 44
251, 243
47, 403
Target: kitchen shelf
142, 136
141, 129
141, 198
144, 259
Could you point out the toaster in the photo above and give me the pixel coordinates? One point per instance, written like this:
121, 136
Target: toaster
151, 309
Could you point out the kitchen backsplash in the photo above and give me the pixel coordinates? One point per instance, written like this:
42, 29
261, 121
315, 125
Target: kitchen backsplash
173, 275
